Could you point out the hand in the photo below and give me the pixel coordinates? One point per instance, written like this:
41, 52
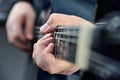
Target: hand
43, 49
21, 14
62, 19
44, 58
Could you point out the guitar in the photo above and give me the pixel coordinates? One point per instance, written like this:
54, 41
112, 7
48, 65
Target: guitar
95, 50
81, 46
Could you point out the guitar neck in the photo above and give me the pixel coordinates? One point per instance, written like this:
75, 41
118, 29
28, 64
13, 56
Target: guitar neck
75, 44
71, 40
65, 39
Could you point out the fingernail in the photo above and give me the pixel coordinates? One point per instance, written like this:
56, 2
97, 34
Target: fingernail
30, 36
44, 27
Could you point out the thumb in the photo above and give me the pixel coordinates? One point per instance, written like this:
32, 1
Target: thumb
47, 28
50, 25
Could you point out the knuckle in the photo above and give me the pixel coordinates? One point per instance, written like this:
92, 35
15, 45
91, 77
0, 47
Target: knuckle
40, 41
52, 18
53, 14
35, 45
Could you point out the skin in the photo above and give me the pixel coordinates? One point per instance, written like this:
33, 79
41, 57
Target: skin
21, 16
43, 49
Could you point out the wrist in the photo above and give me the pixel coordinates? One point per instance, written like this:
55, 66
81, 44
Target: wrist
70, 70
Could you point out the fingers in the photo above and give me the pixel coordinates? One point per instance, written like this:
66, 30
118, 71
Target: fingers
44, 58
42, 43
21, 45
49, 48
43, 54
46, 36
16, 36
15, 31
20, 14
47, 28
39, 47
39, 54
18, 31
30, 20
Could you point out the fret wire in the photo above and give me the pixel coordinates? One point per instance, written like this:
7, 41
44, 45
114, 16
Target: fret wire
62, 49
74, 34
69, 27
69, 37
67, 40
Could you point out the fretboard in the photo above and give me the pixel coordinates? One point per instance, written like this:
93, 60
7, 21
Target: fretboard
67, 40
74, 44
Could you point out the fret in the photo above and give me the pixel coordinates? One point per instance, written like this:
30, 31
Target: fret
65, 37
67, 34
69, 40
70, 28
63, 50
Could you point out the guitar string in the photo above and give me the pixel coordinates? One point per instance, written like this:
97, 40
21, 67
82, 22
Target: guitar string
65, 39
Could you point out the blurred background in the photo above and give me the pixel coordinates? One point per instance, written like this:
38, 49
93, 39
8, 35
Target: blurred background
13, 62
